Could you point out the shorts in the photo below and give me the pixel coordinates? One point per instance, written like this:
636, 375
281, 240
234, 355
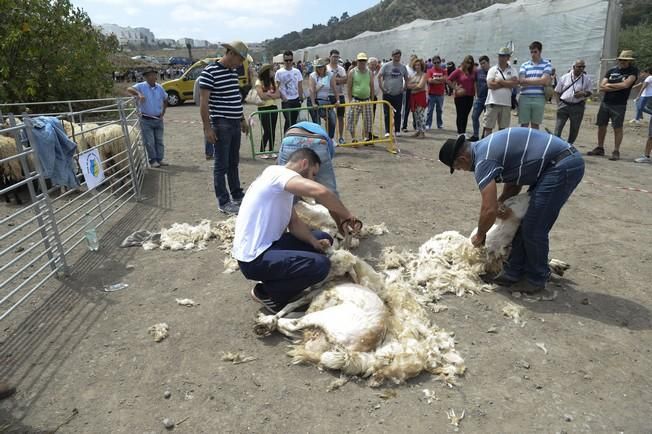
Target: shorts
340, 110
497, 113
614, 112
530, 109
649, 129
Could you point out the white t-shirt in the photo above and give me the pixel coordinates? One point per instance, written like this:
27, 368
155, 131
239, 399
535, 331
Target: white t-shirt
289, 82
264, 214
647, 86
502, 96
339, 73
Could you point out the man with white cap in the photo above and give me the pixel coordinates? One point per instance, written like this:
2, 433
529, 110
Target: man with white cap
501, 79
616, 85
223, 119
360, 89
517, 157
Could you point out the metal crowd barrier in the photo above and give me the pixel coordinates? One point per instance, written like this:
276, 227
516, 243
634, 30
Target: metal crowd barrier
37, 238
355, 113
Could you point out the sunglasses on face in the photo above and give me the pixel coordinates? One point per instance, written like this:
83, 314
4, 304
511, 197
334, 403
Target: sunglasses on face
288, 60
580, 66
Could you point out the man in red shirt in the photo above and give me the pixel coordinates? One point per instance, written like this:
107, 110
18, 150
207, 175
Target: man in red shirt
436, 77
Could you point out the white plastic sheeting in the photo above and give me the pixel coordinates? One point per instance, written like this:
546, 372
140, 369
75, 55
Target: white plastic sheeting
568, 29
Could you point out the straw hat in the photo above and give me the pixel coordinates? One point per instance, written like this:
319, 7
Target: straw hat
362, 56
321, 63
238, 47
626, 55
504, 51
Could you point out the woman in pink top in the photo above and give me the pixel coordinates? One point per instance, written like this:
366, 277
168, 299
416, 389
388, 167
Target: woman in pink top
463, 82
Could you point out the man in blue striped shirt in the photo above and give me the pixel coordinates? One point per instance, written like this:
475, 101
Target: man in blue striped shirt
517, 157
223, 118
534, 75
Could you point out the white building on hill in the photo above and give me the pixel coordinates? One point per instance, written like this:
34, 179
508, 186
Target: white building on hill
139, 36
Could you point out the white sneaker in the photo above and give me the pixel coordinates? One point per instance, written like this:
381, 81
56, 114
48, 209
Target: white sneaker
635, 121
643, 159
398, 134
386, 134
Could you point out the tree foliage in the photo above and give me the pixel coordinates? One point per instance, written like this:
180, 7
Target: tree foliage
639, 39
50, 51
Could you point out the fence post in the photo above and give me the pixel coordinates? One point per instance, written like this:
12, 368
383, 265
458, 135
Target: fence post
130, 156
46, 206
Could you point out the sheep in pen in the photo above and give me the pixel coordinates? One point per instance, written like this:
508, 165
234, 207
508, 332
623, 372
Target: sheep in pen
375, 325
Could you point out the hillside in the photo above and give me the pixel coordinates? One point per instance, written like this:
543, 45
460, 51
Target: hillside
391, 13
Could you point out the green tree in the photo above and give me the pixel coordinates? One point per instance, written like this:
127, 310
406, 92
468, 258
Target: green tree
332, 21
49, 51
344, 17
639, 39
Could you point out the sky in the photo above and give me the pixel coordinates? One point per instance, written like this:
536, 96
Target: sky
219, 20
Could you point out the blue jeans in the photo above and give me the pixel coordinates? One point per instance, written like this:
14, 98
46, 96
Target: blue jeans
153, 138
435, 101
529, 256
640, 106
227, 158
288, 267
326, 174
478, 108
327, 114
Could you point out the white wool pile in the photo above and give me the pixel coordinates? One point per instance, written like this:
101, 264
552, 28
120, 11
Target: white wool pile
159, 331
376, 330
184, 236
448, 262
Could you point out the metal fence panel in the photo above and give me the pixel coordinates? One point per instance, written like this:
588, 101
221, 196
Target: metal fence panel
47, 224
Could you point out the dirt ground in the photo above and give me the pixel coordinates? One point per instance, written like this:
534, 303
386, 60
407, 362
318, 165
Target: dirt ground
83, 361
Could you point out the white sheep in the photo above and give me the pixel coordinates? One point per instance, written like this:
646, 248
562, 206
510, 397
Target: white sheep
374, 328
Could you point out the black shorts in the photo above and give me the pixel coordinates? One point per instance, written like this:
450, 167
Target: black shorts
614, 112
340, 110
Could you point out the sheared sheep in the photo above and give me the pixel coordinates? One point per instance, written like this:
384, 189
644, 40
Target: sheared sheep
374, 328
448, 262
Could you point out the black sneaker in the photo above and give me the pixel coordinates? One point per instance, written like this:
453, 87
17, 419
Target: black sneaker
259, 295
503, 280
474, 139
237, 201
229, 208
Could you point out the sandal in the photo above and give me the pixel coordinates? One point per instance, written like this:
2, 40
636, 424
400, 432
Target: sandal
615, 156
598, 151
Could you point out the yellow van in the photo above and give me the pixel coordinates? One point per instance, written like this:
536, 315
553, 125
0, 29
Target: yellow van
180, 90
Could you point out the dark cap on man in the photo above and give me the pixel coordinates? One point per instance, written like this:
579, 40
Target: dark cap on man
450, 149
150, 70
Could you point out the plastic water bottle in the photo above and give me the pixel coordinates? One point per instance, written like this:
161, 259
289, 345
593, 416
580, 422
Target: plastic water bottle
91, 234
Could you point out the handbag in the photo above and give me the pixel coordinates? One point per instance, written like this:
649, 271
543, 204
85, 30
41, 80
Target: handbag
253, 97
459, 91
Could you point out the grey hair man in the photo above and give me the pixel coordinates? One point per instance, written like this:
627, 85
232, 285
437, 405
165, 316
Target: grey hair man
572, 90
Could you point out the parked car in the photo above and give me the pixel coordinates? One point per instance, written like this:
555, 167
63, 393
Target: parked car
181, 89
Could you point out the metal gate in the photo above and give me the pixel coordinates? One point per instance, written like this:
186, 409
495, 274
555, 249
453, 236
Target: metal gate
43, 225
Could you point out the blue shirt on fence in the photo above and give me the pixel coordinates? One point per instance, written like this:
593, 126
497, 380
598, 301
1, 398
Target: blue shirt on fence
55, 151
514, 155
155, 96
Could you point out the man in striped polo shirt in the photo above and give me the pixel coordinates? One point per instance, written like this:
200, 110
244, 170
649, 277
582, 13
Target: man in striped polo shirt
534, 75
517, 157
223, 119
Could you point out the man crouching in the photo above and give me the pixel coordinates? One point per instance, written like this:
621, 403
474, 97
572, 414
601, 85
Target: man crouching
272, 244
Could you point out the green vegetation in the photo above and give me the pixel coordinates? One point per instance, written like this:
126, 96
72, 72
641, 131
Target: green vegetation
636, 33
50, 51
